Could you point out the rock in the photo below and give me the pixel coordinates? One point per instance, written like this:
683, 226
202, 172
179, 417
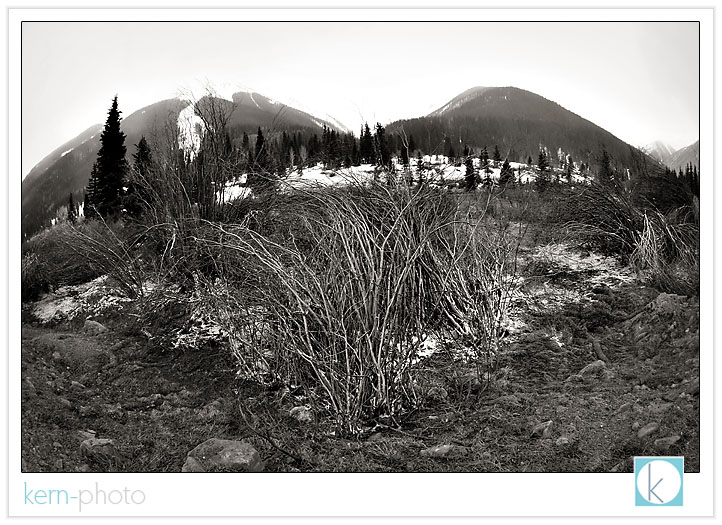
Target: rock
602, 289
93, 327
443, 451
647, 430
636, 425
606, 375
99, 449
76, 387
671, 395
562, 441
437, 393
64, 402
57, 356
624, 407
542, 429
659, 408
692, 388
574, 378
78, 353
593, 369
86, 434
302, 414
664, 444
84, 468
211, 410
668, 303
223, 455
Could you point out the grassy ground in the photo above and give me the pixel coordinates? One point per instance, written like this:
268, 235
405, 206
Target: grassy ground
157, 403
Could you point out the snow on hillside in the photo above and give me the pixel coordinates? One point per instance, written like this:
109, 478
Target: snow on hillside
190, 130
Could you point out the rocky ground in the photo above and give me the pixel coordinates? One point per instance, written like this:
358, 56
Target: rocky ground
596, 369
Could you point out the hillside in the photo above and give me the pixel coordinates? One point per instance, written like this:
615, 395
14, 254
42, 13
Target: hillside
686, 155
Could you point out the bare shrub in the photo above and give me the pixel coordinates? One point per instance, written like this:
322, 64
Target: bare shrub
345, 303
662, 247
35, 277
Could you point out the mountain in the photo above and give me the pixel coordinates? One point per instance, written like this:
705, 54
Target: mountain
686, 155
659, 150
67, 169
520, 123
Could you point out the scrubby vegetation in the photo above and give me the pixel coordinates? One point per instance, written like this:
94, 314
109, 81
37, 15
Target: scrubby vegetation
372, 301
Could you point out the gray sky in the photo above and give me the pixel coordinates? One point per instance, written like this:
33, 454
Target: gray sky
640, 81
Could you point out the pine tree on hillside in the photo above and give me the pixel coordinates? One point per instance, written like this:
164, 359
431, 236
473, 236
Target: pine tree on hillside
366, 145
382, 147
470, 176
72, 212
91, 194
542, 179
259, 156
497, 156
142, 163
507, 174
110, 167
542, 162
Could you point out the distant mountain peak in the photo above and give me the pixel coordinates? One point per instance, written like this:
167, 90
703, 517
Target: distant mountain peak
660, 150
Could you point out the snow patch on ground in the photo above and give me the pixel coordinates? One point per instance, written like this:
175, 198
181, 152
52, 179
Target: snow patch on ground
66, 152
88, 299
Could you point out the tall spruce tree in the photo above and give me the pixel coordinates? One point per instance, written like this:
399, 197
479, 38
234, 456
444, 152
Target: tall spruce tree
110, 169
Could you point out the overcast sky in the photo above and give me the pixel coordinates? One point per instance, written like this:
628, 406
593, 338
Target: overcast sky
640, 81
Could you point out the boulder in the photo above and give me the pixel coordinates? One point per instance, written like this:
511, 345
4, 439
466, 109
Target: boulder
593, 369
99, 449
302, 414
93, 327
443, 451
543, 429
647, 430
665, 443
223, 455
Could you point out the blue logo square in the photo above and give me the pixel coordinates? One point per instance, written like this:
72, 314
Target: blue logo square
659, 481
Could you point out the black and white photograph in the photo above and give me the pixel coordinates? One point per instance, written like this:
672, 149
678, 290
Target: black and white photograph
354, 246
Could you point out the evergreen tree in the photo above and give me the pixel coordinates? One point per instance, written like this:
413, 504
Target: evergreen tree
366, 145
470, 176
528, 161
110, 167
507, 174
542, 180
382, 148
141, 170
260, 153
72, 212
485, 161
497, 156
91, 194
542, 163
